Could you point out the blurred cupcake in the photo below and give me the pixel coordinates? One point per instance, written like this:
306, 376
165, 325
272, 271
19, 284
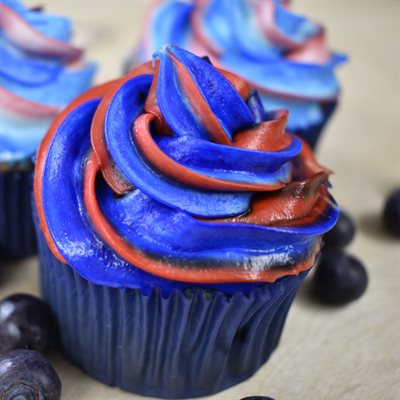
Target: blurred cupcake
282, 54
40, 73
176, 222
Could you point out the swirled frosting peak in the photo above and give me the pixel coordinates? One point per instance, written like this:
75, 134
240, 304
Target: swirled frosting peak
40, 73
283, 54
175, 175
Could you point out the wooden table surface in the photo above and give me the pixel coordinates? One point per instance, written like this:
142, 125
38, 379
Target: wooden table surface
351, 352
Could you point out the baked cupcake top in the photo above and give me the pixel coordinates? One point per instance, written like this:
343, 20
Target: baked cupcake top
174, 175
282, 54
40, 73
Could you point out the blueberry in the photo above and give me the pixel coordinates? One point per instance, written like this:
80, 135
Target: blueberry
25, 322
342, 233
339, 278
391, 213
28, 375
257, 398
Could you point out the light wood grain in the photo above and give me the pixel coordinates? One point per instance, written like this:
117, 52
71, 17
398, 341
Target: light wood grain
325, 353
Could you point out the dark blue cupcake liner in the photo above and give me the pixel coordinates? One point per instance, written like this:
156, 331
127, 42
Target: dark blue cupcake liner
17, 232
192, 343
313, 133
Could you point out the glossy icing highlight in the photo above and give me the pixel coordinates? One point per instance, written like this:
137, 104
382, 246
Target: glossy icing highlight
174, 175
40, 73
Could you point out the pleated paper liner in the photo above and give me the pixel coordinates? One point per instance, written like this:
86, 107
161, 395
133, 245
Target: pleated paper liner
313, 133
17, 233
194, 342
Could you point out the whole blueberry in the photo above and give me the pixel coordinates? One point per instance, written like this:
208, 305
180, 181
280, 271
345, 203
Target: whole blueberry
339, 278
391, 213
25, 322
257, 398
28, 375
342, 233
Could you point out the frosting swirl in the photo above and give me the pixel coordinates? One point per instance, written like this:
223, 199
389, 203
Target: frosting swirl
282, 54
40, 73
175, 173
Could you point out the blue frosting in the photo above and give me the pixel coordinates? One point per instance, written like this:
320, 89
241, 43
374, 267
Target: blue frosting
158, 216
231, 27
43, 80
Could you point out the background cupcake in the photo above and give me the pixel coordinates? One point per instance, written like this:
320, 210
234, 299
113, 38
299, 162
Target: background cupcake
182, 261
282, 54
40, 73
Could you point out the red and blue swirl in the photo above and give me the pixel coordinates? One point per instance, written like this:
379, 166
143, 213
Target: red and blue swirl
174, 175
282, 54
40, 73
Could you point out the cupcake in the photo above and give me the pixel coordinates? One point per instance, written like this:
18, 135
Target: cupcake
176, 220
40, 73
282, 54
